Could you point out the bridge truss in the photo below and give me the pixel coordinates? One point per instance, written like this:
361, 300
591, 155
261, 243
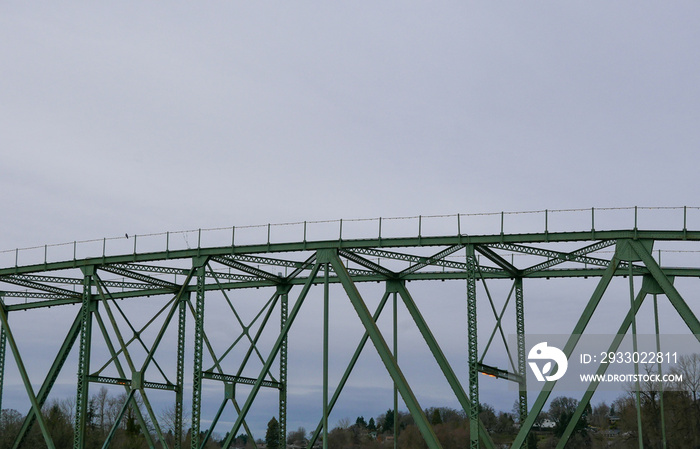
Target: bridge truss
112, 349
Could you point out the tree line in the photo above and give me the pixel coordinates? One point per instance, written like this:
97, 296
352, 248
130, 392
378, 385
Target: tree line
600, 426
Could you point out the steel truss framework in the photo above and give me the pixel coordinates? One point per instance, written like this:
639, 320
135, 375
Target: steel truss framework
478, 260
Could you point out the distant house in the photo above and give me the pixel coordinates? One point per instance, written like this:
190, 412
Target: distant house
547, 424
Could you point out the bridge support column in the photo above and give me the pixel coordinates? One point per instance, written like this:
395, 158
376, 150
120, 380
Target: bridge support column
326, 269
661, 393
396, 357
522, 365
3, 345
199, 265
284, 315
81, 401
473, 349
180, 377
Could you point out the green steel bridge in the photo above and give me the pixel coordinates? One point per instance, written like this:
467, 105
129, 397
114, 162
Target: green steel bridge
190, 269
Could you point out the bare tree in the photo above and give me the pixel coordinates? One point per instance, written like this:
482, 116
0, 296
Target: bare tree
689, 367
168, 420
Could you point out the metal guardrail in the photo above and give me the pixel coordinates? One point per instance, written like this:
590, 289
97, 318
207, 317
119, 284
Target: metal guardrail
525, 222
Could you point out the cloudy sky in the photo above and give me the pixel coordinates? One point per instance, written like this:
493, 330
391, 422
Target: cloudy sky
141, 117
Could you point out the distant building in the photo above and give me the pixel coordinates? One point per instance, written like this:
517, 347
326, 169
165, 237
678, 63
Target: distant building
547, 424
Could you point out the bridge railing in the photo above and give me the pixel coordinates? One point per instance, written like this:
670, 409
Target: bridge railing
525, 222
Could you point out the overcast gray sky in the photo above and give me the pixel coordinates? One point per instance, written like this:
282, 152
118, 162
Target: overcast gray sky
142, 117
137, 117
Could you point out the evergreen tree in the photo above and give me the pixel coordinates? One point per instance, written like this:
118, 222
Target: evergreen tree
371, 426
388, 423
272, 438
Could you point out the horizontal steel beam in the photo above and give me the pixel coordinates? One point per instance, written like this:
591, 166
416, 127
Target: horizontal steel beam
52, 300
240, 379
128, 382
355, 245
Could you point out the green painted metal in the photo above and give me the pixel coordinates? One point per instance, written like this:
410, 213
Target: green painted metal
472, 348
41, 288
326, 298
602, 368
136, 375
118, 420
661, 389
491, 255
580, 327
348, 371
230, 381
51, 300
520, 335
284, 315
671, 293
25, 377
136, 335
105, 297
269, 306
120, 370
199, 264
180, 376
382, 348
3, 346
638, 400
50, 379
493, 239
498, 326
395, 322
440, 358
245, 328
273, 353
84, 359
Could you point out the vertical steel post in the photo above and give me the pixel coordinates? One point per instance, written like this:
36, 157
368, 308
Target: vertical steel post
661, 392
199, 264
522, 364
634, 350
180, 378
326, 269
3, 346
396, 357
81, 401
473, 349
284, 314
